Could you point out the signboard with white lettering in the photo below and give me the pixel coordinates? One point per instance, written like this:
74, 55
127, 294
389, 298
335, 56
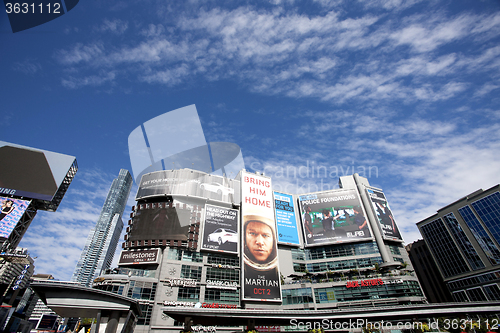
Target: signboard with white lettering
139, 257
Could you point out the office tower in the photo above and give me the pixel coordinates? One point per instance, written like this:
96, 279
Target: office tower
189, 244
428, 274
464, 240
101, 243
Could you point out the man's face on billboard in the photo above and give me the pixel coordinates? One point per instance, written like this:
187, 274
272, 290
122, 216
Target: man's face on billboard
259, 240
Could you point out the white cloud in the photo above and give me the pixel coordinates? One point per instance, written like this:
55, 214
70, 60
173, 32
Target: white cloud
27, 67
115, 26
92, 80
80, 53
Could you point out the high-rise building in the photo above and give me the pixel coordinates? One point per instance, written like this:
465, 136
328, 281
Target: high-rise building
428, 274
201, 240
464, 240
101, 243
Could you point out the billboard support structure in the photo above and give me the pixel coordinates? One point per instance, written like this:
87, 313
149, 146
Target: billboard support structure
17, 234
373, 220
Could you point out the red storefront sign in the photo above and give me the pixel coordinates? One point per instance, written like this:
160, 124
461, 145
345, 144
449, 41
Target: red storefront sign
364, 283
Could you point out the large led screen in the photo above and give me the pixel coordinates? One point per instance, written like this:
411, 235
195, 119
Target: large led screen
11, 212
188, 182
159, 221
260, 274
220, 231
384, 214
31, 173
333, 217
286, 220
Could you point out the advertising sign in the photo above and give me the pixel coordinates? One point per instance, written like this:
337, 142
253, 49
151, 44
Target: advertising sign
286, 221
160, 221
47, 322
189, 182
139, 257
333, 217
383, 212
220, 232
11, 211
31, 173
260, 275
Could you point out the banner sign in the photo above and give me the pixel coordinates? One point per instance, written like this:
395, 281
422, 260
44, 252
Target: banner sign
181, 282
220, 232
139, 257
286, 221
11, 211
384, 214
260, 275
333, 217
222, 284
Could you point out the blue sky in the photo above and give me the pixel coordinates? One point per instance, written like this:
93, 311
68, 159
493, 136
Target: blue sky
406, 89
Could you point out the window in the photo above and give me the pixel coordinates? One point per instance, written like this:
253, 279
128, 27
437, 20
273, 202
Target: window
223, 260
463, 242
297, 296
480, 234
222, 296
444, 249
476, 295
493, 292
189, 294
191, 272
232, 275
142, 290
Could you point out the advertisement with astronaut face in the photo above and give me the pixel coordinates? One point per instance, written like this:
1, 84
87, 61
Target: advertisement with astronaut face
260, 274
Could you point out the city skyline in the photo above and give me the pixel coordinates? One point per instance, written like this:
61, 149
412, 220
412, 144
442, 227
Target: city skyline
404, 93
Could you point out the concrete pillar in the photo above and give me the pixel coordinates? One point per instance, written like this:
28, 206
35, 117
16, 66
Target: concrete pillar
113, 319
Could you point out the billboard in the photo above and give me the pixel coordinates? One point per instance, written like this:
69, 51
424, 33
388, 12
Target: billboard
286, 220
11, 211
220, 232
32, 173
138, 257
189, 182
47, 322
384, 214
260, 274
159, 221
333, 217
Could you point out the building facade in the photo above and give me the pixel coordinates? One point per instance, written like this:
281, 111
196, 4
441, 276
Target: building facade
464, 239
200, 240
102, 241
428, 274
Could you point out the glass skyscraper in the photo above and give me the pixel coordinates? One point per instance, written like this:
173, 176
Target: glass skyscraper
101, 243
464, 239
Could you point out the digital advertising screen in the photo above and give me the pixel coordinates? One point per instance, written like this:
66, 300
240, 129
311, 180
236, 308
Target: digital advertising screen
333, 217
260, 273
189, 182
11, 211
158, 221
220, 231
286, 219
32, 173
384, 214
